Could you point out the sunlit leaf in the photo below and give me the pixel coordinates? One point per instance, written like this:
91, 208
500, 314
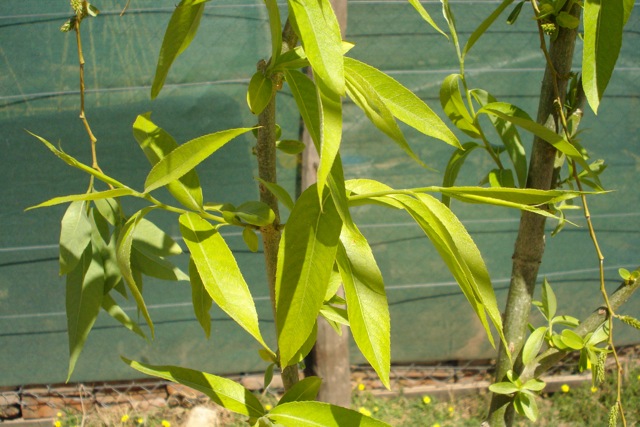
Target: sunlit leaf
425, 15
275, 27
259, 92
456, 161
305, 94
150, 238
75, 236
110, 306
117, 192
484, 26
319, 414
223, 391
304, 390
331, 128
200, 298
155, 266
533, 345
281, 194
455, 108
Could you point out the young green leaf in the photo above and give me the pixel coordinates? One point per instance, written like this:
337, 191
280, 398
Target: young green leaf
85, 285
306, 257
331, 136
402, 103
268, 376
156, 143
319, 31
305, 94
225, 392
275, 27
504, 388
250, 239
455, 108
319, 414
534, 384
335, 314
155, 266
124, 246
75, 236
110, 306
255, 213
180, 32
526, 405
187, 156
456, 161
201, 299
603, 24
425, 15
282, 195
220, 273
259, 93
367, 304
571, 339
149, 238
533, 344
484, 26
290, 146
304, 390
116, 192
549, 301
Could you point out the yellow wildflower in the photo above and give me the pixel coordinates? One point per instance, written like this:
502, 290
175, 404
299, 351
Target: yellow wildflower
436, 425
57, 424
59, 414
376, 409
124, 418
165, 423
364, 411
451, 409
140, 420
268, 407
594, 389
565, 388
361, 387
426, 400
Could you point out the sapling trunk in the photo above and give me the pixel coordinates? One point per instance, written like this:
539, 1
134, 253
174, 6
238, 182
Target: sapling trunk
530, 242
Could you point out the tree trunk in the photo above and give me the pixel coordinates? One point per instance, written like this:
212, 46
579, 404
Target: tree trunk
329, 358
529, 246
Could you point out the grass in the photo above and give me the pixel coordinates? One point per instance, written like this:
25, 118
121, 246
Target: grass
574, 407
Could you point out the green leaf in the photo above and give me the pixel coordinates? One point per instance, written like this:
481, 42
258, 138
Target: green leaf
149, 238
572, 340
306, 257
201, 299
624, 274
335, 314
75, 236
156, 143
456, 161
318, 414
379, 191
275, 27
110, 306
534, 385
290, 146
187, 156
403, 104
155, 266
367, 304
304, 390
85, 285
451, 23
520, 118
250, 239
79, 165
268, 375
455, 108
220, 273
549, 301
460, 254
319, 31
484, 26
567, 20
603, 24
117, 192
504, 388
305, 94
180, 32
255, 213
533, 344
331, 107
513, 16
628, 7
509, 135
425, 15
281, 194
225, 392
110, 209
259, 93
565, 320
367, 99
124, 246
526, 405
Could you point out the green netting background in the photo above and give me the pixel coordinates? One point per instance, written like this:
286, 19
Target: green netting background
205, 92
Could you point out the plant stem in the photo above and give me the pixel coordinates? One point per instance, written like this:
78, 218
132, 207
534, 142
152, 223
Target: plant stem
529, 246
266, 154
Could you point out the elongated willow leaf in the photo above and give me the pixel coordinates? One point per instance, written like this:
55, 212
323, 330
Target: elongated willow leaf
156, 143
75, 236
603, 24
110, 306
180, 32
451, 23
220, 273
425, 15
71, 161
331, 107
365, 97
319, 414
149, 238
107, 194
280, 193
628, 7
367, 304
85, 286
201, 299
369, 191
509, 135
275, 26
305, 94
225, 392
484, 26
454, 164
304, 390
305, 261
123, 254
319, 31
520, 197
403, 104
460, 254
454, 107
520, 118
187, 156
154, 266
